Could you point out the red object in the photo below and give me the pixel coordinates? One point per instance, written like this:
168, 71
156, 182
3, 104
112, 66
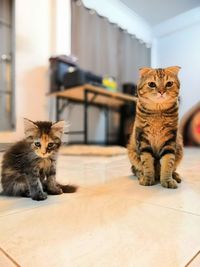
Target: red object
198, 128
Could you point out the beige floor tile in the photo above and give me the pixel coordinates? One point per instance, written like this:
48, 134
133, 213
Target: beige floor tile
6, 260
111, 221
195, 261
101, 227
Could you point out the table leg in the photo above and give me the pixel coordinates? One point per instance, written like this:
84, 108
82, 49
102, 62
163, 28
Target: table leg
107, 125
85, 116
57, 108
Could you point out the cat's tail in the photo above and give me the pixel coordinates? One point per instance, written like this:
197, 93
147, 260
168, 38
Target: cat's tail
68, 188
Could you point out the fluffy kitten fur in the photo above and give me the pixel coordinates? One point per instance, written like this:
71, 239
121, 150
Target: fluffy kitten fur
29, 166
155, 148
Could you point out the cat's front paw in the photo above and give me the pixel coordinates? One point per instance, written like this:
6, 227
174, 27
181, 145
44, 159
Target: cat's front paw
133, 169
39, 196
54, 190
146, 181
171, 183
176, 177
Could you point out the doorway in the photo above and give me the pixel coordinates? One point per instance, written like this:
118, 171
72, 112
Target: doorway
6, 65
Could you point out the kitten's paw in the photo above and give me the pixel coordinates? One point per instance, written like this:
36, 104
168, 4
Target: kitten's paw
54, 191
169, 183
146, 181
39, 196
26, 193
176, 177
133, 169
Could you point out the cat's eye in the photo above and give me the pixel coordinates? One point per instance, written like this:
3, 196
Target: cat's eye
37, 144
50, 145
169, 84
152, 85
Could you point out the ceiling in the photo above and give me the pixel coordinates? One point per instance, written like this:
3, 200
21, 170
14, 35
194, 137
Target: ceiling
157, 11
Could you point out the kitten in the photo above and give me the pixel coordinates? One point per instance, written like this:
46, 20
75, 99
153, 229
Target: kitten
29, 166
155, 147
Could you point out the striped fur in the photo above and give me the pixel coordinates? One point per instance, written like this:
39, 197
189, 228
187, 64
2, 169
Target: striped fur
155, 147
29, 166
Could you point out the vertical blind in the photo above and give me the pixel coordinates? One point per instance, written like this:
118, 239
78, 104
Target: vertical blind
104, 48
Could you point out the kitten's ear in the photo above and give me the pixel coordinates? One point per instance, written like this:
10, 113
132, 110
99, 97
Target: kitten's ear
174, 69
143, 71
30, 128
58, 128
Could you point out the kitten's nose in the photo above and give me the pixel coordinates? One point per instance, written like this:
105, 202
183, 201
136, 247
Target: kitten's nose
161, 92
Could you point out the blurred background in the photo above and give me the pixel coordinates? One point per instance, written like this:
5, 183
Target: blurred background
79, 60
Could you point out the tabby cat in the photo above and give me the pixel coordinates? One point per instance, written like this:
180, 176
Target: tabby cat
155, 147
29, 166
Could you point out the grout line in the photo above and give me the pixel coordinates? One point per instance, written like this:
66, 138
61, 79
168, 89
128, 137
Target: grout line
188, 264
62, 200
170, 208
9, 257
26, 209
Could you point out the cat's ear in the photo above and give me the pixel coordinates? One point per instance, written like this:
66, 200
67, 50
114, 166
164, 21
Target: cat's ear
30, 128
174, 69
58, 128
143, 71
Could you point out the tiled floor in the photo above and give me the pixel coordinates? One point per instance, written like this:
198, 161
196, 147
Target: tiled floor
111, 221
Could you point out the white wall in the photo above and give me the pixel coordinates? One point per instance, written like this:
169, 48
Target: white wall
42, 29
39, 27
179, 44
32, 24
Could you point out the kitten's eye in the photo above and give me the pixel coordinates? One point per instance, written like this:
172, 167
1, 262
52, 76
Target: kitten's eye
152, 85
169, 84
37, 144
50, 145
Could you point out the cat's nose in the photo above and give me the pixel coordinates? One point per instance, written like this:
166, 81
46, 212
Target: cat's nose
161, 92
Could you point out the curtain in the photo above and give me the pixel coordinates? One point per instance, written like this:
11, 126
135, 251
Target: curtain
105, 49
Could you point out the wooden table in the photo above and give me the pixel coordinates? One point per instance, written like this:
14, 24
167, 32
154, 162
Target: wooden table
87, 95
